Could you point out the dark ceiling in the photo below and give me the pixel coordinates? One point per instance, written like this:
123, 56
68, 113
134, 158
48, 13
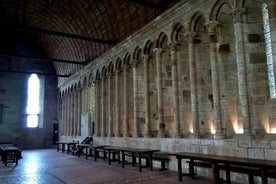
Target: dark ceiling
72, 33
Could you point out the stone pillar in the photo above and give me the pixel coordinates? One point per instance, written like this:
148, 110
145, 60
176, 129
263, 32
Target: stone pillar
97, 108
110, 105
243, 115
66, 115
126, 98
62, 115
193, 81
146, 94
71, 113
79, 99
161, 124
136, 131
211, 27
177, 126
75, 122
103, 106
117, 104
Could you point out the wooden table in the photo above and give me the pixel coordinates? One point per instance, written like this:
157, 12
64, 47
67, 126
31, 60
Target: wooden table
10, 150
134, 152
65, 143
226, 161
94, 147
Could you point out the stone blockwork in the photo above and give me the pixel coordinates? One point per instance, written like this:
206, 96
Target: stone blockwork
192, 80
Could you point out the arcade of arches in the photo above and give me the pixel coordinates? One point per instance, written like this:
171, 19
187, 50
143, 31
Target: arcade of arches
197, 78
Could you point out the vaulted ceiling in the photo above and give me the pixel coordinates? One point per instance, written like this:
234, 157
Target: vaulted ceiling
72, 33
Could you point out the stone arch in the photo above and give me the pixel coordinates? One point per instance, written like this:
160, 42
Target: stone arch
161, 41
137, 54
104, 71
217, 7
98, 75
148, 48
177, 32
110, 68
85, 82
197, 23
79, 85
118, 64
127, 59
90, 78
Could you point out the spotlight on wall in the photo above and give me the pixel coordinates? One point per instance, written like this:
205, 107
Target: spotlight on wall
273, 130
238, 130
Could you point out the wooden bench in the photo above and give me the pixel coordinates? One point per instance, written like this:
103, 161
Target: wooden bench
10, 153
162, 157
253, 167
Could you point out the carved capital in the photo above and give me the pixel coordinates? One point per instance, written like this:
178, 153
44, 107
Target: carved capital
173, 45
134, 63
158, 50
211, 27
190, 36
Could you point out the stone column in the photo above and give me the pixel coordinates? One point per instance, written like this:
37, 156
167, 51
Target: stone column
97, 108
66, 115
146, 94
161, 124
103, 106
75, 122
243, 115
62, 116
110, 105
211, 27
71, 113
136, 131
117, 104
177, 126
126, 98
79, 99
193, 81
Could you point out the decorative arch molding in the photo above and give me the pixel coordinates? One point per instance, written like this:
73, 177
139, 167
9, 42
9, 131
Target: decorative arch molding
177, 34
118, 64
137, 53
111, 69
127, 59
194, 21
161, 41
148, 48
232, 4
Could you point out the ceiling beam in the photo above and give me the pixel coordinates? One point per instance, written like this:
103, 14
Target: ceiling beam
63, 34
149, 4
43, 59
38, 73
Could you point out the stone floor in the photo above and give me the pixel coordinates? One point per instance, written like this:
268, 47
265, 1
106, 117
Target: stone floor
51, 167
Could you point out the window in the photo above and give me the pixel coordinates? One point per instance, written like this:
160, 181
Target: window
33, 102
268, 48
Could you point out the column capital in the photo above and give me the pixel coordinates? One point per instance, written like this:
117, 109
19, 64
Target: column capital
237, 14
190, 35
117, 71
134, 63
145, 58
158, 50
211, 27
173, 45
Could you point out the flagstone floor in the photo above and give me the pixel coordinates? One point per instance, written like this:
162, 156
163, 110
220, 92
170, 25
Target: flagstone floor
52, 167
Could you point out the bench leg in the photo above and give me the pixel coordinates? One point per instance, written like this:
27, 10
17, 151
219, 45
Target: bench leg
251, 178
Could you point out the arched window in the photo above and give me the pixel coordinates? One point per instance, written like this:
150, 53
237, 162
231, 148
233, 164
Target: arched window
33, 103
268, 47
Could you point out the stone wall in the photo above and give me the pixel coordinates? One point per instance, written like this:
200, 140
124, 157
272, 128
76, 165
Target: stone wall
195, 79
